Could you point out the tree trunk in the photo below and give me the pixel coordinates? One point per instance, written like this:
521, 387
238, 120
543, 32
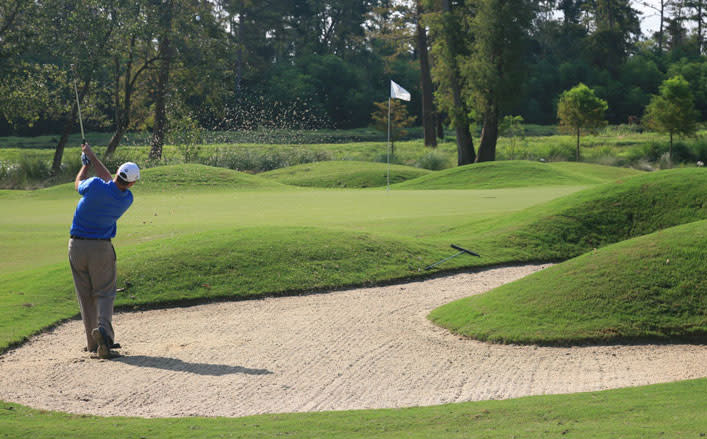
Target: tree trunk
465, 143
160, 128
577, 155
165, 50
439, 120
489, 135
428, 110
699, 26
660, 28
59, 151
670, 151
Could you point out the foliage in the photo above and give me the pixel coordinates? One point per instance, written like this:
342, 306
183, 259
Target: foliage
261, 160
512, 127
399, 118
579, 108
433, 160
673, 110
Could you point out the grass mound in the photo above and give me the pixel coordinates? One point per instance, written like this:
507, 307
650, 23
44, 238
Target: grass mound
589, 219
173, 178
650, 287
193, 176
518, 173
343, 174
611, 213
226, 263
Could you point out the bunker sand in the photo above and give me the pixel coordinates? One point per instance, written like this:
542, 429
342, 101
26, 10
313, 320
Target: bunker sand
355, 349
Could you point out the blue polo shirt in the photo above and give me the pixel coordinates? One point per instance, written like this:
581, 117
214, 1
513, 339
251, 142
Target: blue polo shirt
99, 208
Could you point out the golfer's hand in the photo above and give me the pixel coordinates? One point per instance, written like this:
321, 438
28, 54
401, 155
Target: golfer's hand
86, 149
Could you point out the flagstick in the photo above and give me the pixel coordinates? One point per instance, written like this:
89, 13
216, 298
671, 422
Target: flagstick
388, 149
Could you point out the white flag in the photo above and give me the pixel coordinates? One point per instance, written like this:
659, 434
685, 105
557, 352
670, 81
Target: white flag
397, 92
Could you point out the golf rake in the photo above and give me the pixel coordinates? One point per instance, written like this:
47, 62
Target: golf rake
461, 251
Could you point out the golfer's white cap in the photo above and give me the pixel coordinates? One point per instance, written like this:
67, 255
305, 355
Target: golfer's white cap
129, 172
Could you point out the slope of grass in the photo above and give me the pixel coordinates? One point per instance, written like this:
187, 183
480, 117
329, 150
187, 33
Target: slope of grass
194, 176
518, 173
569, 226
674, 410
229, 263
174, 179
651, 287
340, 174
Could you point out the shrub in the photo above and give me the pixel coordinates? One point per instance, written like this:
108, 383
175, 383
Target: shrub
433, 161
251, 160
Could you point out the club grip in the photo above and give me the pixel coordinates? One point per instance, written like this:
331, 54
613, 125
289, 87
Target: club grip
456, 247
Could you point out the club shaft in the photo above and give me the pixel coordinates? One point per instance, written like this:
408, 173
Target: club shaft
78, 105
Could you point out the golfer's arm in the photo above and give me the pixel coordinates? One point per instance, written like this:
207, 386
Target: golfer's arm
81, 176
101, 171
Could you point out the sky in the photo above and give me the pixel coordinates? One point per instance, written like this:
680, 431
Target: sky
650, 20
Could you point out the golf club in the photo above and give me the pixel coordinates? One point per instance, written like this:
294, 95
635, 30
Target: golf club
78, 105
461, 251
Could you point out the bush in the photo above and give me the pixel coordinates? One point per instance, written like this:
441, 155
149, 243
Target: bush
251, 160
434, 161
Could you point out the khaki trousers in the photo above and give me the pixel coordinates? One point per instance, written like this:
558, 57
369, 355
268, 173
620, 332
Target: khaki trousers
93, 266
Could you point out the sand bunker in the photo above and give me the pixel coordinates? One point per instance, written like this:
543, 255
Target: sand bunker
356, 349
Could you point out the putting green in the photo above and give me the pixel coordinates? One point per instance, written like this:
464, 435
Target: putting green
36, 232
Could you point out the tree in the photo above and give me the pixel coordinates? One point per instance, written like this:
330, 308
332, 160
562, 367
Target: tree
399, 119
77, 33
661, 11
429, 114
512, 127
500, 30
166, 53
579, 108
451, 42
673, 110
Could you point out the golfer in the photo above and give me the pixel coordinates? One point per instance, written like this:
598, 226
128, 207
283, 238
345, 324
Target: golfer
91, 254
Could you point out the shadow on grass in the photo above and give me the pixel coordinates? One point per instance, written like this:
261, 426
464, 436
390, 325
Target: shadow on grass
183, 366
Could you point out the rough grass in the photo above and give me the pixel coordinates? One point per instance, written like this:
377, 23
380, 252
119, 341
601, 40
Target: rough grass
343, 174
519, 173
651, 287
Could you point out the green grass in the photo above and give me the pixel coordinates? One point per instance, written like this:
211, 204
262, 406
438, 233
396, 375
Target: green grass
343, 174
186, 241
257, 242
674, 410
36, 231
651, 287
198, 177
602, 215
518, 173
